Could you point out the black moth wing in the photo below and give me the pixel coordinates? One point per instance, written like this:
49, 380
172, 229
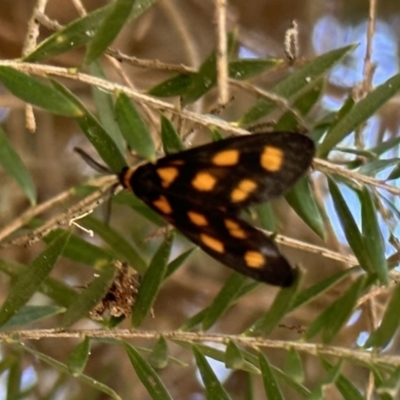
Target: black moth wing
290, 155
233, 242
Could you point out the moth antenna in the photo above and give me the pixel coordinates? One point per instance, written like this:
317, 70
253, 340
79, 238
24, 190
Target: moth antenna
92, 162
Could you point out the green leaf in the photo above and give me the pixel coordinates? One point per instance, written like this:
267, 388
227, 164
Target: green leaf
175, 86
270, 384
37, 93
349, 226
389, 325
151, 282
359, 114
309, 294
13, 165
89, 297
335, 316
178, 261
159, 356
223, 300
78, 357
281, 305
79, 32
133, 127
303, 105
234, 357
345, 386
301, 198
104, 102
295, 83
294, 366
247, 68
214, 389
75, 34
205, 78
374, 167
170, 138
116, 242
318, 392
30, 314
109, 28
147, 375
372, 235
30, 280
14, 381
63, 369
95, 133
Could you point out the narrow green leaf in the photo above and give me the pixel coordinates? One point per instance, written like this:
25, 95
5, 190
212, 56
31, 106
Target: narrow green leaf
79, 32
117, 242
336, 315
295, 83
75, 34
281, 305
349, 226
301, 199
247, 68
13, 165
223, 300
303, 105
89, 297
309, 294
205, 78
62, 368
266, 217
373, 240
170, 138
345, 386
37, 93
374, 167
271, 387
171, 87
318, 391
79, 250
234, 357
177, 262
95, 133
294, 366
390, 386
78, 357
389, 325
14, 379
104, 102
159, 356
395, 174
147, 375
359, 114
214, 388
30, 280
385, 146
30, 314
133, 127
151, 282
108, 29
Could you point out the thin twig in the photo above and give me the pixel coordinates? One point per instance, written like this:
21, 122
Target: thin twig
222, 53
355, 355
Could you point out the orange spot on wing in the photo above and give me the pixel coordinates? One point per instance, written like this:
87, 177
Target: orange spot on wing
254, 259
234, 229
163, 205
204, 181
197, 219
226, 158
272, 158
167, 175
243, 190
212, 243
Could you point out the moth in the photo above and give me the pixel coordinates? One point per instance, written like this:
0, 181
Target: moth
201, 192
